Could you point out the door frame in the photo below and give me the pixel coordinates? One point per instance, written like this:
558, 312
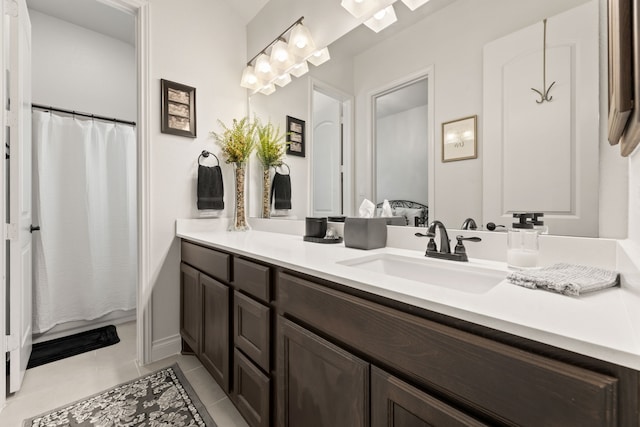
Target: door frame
139, 9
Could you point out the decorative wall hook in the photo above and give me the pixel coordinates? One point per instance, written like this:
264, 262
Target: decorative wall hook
544, 94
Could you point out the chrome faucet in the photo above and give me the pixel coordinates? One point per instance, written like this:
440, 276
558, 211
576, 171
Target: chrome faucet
459, 253
444, 236
469, 224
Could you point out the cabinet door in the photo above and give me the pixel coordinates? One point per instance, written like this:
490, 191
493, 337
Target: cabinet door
251, 392
319, 384
395, 403
251, 329
215, 347
190, 308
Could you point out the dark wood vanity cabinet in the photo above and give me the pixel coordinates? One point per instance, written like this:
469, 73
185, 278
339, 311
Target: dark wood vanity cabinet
394, 403
190, 308
302, 351
252, 340
319, 384
205, 309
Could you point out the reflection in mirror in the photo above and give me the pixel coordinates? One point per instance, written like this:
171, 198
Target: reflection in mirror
401, 145
329, 138
462, 87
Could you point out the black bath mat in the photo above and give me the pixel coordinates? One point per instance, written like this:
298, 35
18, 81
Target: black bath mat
60, 348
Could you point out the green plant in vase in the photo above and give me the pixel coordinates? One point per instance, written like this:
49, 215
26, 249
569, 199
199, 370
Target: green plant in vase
237, 143
270, 152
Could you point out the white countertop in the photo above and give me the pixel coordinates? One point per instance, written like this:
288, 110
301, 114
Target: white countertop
600, 325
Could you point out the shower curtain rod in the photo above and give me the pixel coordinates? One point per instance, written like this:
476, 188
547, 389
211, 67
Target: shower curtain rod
76, 113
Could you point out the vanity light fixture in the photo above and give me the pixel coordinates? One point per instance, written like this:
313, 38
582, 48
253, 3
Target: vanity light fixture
280, 60
249, 79
299, 69
319, 57
414, 4
382, 19
361, 8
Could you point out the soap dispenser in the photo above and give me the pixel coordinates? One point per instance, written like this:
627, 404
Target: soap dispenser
522, 242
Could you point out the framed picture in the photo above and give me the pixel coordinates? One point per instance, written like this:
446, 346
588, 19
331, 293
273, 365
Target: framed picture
459, 140
295, 136
178, 105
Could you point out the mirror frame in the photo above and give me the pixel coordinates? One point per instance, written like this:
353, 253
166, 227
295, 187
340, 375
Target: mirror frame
427, 73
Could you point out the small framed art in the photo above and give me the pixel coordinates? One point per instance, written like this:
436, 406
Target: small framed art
459, 140
295, 136
178, 105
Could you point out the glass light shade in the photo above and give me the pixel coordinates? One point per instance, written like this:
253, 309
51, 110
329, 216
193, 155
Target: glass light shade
382, 19
360, 8
268, 89
301, 44
299, 69
281, 59
414, 4
249, 79
319, 57
263, 68
283, 80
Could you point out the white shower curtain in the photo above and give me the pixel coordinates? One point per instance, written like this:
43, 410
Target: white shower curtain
85, 203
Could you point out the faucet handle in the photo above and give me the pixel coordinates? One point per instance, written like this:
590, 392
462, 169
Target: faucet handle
460, 249
431, 246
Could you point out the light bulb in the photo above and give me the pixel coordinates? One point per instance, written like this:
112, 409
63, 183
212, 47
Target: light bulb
380, 14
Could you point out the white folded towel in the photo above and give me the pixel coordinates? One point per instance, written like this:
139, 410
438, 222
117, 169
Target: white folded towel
567, 279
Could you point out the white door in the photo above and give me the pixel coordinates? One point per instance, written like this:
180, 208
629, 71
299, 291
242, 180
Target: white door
327, 155
543, 157
18, 229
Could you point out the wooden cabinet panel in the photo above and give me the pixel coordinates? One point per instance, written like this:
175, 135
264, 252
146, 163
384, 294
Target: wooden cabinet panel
215, 347
213, 263
251, 392
190, 308
251, 328
395, 403
505, 383
252, 278
319, 384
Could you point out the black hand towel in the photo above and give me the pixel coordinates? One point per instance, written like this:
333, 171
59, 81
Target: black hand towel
210, 188
281, 191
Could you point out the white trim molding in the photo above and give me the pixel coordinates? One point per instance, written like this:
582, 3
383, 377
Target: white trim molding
166, 347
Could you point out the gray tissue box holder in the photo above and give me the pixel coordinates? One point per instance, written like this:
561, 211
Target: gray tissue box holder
365, 233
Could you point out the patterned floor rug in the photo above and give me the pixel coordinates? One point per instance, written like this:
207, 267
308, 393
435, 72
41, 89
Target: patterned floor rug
163, 398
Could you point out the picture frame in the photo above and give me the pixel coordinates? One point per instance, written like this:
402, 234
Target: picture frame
459, 139
178, 109
295, 137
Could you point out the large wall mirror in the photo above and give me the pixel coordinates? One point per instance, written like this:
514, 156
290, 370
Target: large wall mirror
552, 144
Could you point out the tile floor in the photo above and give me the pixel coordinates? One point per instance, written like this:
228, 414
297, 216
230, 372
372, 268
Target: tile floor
55, 384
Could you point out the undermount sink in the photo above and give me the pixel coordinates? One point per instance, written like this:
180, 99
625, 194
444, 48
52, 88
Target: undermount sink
446, 274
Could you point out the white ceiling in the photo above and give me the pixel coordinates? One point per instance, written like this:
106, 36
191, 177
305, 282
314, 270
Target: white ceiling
246, 8
101, 18
90, 14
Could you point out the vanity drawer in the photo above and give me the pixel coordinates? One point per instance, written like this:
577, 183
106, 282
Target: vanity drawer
252, 278
499, 381
215, 264
251, 329
251, 392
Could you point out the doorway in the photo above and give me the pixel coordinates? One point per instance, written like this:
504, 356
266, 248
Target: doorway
331, 158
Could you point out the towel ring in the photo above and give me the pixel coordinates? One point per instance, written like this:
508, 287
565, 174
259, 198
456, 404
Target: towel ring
206, 154
283, 164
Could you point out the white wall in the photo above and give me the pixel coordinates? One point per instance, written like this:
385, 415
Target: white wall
78, 69
200, 45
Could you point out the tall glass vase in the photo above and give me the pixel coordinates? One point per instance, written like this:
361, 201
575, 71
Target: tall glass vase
240, 211
266, 193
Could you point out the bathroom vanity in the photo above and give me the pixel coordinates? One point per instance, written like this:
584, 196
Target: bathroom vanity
296, 334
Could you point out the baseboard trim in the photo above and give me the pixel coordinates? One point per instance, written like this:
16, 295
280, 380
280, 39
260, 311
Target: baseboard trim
165, 347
